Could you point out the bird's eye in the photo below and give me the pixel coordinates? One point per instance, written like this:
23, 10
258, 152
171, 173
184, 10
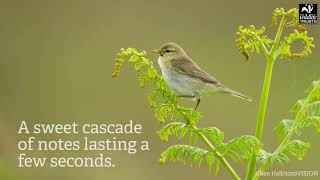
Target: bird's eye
167, 50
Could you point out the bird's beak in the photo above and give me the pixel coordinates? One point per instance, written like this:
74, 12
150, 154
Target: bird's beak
156, 51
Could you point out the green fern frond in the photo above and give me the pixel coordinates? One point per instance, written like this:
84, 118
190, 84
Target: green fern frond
213, 133
315, 88
314, 91
270, 158
241, 147
193, 137
277, 12
297, 106
264, 156
189, 114
283, 128
249, 40
188, 154
293, 17
154, 97
268, 42
174, 128
313, 109
311, 121
253, 45
309, 109
170, 97
163, 111
296, 148
285, 46
144, 67
280, 158
307, 113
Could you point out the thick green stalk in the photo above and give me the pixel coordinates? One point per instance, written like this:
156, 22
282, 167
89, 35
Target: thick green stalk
264, 97
261, 114
218, 155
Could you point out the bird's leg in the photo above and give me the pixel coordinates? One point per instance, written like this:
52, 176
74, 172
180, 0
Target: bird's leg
198, 102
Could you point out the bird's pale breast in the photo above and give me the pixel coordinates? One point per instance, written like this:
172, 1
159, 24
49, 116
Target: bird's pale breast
182, 84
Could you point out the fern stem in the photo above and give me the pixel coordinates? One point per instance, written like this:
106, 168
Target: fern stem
217, 154
261, 114
264, 97
278, 36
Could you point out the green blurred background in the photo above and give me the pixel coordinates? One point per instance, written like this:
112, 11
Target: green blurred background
56, 60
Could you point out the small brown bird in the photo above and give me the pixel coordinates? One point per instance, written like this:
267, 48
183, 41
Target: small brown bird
186, 78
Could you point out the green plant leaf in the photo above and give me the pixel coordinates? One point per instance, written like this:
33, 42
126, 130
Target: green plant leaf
311, 121
283, 128
285, 47
297, 106
189, 114
174, 128
213, 133
313, 96
188, 154
314, 91
313, 109
241, 147
162, 112
249, 40
275, 15
296, 148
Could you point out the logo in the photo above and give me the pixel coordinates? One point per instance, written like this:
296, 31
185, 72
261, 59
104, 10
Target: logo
308, 14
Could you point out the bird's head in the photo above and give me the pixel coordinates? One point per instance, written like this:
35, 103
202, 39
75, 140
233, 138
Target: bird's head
170, 50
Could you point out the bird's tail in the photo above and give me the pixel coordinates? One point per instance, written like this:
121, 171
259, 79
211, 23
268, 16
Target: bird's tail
236, 94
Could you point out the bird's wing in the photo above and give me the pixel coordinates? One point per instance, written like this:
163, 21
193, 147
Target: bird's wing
185, 65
